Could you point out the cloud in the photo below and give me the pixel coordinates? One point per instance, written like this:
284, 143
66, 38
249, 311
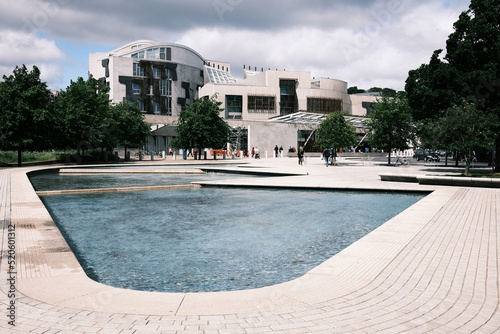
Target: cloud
364, 42
18, 48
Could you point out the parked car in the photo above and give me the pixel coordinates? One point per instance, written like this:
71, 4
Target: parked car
432, 156
420, 154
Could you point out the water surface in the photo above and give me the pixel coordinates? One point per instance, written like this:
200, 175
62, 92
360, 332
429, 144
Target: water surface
214, 239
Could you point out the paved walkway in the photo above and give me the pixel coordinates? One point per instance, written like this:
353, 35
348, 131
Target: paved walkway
433, 268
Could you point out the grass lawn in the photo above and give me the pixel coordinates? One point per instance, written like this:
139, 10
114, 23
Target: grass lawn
11, 156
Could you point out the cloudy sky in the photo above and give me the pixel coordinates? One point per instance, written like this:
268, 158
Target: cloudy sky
364, 42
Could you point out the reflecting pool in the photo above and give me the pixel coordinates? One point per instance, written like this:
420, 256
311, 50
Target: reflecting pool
214, 239
56, 181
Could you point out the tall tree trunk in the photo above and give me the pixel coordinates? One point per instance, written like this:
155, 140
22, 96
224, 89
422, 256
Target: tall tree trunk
497, 155
389, 158
19, 157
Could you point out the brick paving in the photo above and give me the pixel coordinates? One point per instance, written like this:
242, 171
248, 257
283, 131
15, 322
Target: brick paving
433, 268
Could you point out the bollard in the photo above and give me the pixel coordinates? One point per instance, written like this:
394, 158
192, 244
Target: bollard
152, 156
223, 155
215, 156
205, 155
140, 155
128, 156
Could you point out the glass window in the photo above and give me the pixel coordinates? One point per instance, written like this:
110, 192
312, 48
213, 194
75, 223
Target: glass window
141, 106
261, 103
149, 54
136, 88
162, 53
234, 106
166, 87
156, 107
156, 72
138, 70
323, 105
168, 106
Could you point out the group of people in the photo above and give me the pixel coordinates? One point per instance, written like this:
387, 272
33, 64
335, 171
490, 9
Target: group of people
328, 154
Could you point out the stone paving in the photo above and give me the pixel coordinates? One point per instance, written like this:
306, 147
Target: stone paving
432, 268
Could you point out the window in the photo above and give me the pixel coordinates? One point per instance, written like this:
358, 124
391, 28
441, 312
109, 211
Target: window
150, 91
234, 106
288, 97
323, 105
136, 88
156, 107
156, 72
261, 103
166, 87
138, 70
141, 106
168, 106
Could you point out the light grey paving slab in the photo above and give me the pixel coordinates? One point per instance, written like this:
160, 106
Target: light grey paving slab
433, 268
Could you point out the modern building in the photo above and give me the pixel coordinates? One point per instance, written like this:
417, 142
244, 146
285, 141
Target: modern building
163, 78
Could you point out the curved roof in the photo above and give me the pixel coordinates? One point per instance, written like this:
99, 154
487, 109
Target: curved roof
141, 45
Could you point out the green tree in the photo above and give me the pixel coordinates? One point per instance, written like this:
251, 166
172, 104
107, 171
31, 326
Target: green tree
200, 126
465, 128
130, 128
355, 90
470, 69
85, 120
336, 132
391, 125
23, 112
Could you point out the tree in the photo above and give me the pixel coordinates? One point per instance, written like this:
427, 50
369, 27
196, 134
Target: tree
391, 125
336, 132
470, 69
129, 129
465, 128
200, 126
23, 111
85, 120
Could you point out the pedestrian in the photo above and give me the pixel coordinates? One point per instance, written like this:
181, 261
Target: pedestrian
326, 155
281, 150
257, 153
276, 149
253, 151
300, 155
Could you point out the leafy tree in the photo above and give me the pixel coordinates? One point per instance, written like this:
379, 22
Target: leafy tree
336, 132
85, 120
465, 128
391, 124
355, 90
200, 126
130, 129
23, 111
470, 69
433, 87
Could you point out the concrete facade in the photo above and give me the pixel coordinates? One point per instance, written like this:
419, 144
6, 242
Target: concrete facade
163, 78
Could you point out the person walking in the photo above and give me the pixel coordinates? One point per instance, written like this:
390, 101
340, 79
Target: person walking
326, 155
276, 149
300, 155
